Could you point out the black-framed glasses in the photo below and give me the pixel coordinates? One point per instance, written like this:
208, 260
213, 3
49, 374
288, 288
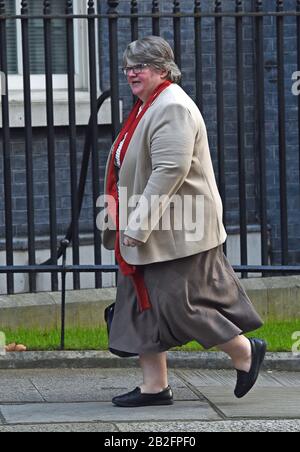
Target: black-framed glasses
137, 69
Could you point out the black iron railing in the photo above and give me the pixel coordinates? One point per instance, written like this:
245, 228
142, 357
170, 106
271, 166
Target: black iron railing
111, 17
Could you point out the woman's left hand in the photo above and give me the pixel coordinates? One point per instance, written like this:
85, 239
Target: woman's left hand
128, 241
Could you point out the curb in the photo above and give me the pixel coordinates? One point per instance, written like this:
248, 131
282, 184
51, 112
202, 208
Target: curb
101, 359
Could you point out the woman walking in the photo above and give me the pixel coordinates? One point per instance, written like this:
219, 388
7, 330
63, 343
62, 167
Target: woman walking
175, 284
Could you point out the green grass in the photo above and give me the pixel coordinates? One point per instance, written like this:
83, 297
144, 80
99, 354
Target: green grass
278, 334
75, 338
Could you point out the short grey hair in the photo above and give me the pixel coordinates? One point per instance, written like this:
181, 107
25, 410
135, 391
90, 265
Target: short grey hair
156, 52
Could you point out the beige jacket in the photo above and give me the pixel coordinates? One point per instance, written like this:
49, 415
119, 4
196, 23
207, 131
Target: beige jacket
169, 155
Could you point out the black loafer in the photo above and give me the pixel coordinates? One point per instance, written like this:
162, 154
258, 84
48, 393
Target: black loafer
246, 380
136, 398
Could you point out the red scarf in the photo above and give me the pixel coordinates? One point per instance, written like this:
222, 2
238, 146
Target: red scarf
129, 128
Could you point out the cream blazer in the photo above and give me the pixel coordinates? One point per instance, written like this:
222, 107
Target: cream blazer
168, 155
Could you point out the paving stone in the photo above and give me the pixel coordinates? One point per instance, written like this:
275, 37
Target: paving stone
76, 385
216, 426
105, 412
260, 402
68, 428
288, 379
18, 390
224, 378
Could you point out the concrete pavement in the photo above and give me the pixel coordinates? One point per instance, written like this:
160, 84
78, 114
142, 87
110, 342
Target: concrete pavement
80, 400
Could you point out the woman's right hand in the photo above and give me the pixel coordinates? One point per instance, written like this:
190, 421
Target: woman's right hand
128, 241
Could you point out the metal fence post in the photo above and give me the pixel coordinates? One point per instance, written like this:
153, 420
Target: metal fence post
28, 141
114, 65
261, 129
198, 55
177, 32
282, 136
134, 20
72, 138
7, 173
155, 18
64, 244
241, 135
220, 106
50, 139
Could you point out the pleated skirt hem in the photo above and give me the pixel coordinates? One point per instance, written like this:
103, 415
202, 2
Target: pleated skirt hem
197, 298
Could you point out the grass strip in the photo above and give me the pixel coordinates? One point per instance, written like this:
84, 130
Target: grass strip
278, 335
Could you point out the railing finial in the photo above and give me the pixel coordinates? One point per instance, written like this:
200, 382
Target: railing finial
239, 5
176, 6
218, 5
69, 7
112, 6
197, 9
2, 7
155, 6
279, 6
24, 4
134, 6
47, 7
91, 7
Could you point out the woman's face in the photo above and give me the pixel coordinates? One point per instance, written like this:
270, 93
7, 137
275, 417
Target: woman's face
145, 82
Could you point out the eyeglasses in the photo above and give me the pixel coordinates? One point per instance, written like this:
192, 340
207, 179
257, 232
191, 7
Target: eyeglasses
137, 69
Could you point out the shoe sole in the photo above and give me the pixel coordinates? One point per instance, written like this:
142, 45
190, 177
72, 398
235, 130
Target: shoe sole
167, 402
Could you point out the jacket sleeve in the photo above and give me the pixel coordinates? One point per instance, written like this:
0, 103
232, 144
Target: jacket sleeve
172, 140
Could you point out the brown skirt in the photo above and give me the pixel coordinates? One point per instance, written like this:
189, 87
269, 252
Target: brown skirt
194, 298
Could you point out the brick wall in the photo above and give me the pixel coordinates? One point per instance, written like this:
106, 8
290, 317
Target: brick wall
41, 180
